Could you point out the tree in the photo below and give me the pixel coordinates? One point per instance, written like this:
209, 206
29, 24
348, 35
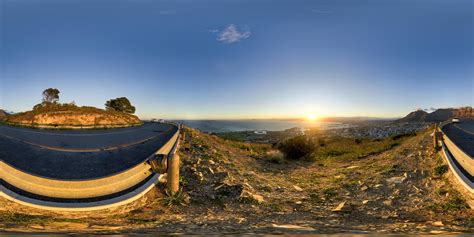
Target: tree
51, 95
121, 104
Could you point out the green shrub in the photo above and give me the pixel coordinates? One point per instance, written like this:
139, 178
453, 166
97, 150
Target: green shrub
453, 204
335, 152
275, 156
440, 170
330, 192
297, 147
399, 136
177, 199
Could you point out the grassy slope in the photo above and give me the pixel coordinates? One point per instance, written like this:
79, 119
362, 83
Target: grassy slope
417, 205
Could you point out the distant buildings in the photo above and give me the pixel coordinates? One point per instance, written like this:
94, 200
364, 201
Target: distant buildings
379, 131
296, 131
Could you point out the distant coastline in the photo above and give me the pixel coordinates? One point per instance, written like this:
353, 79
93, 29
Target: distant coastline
217, 126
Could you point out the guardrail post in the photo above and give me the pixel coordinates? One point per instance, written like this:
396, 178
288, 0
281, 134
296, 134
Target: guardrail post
172, 183
435, 137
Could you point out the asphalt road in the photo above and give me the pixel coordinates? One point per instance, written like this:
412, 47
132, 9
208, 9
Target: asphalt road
79, 155
462, 134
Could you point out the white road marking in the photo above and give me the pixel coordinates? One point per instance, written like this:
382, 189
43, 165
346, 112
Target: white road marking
464, 130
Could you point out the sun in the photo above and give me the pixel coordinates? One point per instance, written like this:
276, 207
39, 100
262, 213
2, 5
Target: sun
312, 117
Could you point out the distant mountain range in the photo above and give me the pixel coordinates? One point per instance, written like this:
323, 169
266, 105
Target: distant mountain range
438, 115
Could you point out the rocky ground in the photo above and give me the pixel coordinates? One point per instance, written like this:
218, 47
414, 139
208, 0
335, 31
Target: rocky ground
233, 187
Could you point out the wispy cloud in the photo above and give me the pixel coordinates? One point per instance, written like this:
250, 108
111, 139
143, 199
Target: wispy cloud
231, 34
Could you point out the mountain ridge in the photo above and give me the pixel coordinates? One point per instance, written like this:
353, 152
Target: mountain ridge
438, 115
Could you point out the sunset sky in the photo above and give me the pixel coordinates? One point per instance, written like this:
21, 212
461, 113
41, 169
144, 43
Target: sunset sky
240, 59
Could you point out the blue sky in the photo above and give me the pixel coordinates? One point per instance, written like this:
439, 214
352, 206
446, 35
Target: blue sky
240, 59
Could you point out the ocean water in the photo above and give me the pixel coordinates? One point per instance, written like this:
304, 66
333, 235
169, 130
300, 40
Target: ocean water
252, 125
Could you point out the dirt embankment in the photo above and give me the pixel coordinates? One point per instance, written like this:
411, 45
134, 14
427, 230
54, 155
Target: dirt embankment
236, 188
3, 115
64, 119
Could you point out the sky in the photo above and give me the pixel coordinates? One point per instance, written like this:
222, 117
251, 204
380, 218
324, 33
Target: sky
240, 59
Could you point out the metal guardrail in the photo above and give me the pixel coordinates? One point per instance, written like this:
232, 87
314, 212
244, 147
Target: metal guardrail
85, 206
74, 189
457, 159
165, 160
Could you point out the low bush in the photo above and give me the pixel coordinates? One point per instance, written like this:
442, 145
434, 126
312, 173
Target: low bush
177, 199
275, 156
330, 192
396, 137
440, 170
452, 204
297, 147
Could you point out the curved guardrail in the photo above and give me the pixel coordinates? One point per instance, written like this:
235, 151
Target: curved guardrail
91, 188
457, 159
74, 189
81, 207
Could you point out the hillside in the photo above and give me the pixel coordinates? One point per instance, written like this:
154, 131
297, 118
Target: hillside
394, 185
415, 116
438, 115
71, 116
3, 115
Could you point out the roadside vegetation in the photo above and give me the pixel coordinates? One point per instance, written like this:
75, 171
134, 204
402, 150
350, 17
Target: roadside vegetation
51, 111
322, 148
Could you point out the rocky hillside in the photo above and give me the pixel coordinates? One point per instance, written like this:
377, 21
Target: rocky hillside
236, 187
438, 115
78, 116
3, 115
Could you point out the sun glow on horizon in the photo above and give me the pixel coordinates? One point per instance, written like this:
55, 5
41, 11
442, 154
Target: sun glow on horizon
312, 117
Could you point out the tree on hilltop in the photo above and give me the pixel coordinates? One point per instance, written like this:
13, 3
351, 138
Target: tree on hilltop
121, 104
51, 95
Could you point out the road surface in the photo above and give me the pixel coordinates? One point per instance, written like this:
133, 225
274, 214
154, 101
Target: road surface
462, 134
80, 155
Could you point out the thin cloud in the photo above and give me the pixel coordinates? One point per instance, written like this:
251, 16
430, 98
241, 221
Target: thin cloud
231, 34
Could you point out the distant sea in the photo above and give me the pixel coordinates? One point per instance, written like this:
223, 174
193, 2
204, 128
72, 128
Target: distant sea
217, 126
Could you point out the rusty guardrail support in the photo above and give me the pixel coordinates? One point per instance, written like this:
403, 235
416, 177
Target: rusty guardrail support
437, 137
172, 184
169, 163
